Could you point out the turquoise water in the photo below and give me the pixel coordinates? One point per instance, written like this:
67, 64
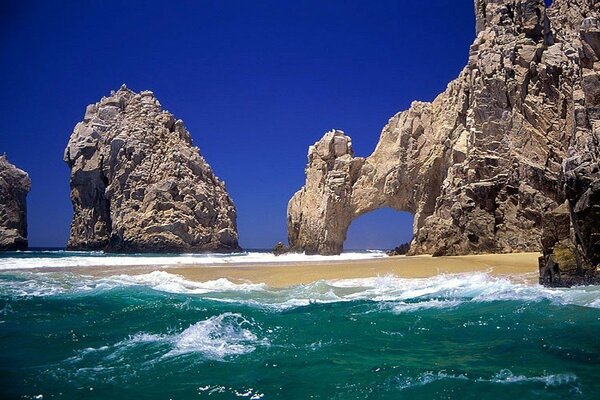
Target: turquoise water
158, 336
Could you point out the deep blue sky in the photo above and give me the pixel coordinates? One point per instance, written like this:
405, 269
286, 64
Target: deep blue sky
256, 83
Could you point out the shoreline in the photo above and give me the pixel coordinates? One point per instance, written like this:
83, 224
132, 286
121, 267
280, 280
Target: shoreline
285, 274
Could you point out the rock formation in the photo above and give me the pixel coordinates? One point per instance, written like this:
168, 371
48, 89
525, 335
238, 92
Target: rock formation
571, 236
138, 184
14, 186
507, 142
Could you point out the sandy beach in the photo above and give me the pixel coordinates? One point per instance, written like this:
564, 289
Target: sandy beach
289, 274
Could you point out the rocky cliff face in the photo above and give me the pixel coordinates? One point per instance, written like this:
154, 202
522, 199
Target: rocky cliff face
482, 164
571, 236
14, 186
138, 184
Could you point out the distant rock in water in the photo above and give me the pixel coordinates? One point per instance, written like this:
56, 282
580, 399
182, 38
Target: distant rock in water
280, 249
399, 250
508, 141
139, 185
14, 186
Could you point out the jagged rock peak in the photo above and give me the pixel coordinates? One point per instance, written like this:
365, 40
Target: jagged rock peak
139, 185
522, 17
14, 187
481, 165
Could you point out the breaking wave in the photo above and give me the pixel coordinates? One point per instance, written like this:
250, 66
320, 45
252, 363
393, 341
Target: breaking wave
215, 338
398, 295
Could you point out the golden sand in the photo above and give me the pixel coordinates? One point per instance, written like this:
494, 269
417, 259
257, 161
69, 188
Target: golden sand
288, 274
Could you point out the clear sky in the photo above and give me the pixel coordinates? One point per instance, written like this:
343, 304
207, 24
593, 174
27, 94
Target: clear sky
256, 83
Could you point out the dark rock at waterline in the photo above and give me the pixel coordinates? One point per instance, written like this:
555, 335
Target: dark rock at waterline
14, 187
564, 261
280, 249
551, 275
139, 185
399, 250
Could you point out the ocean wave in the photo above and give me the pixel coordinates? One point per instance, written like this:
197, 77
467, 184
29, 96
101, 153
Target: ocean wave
450, 290
398, 295
40, 285
215, 338
62, 259
172, 283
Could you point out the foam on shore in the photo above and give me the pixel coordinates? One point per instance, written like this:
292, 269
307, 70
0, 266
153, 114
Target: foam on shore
70, 259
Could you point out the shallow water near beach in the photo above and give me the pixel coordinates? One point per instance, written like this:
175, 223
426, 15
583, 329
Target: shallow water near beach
157, 335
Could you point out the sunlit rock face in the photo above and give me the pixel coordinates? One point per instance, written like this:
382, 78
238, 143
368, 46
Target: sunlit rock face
14, 187
480, 165
139, 185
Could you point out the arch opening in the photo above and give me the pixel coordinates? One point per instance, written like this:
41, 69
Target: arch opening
380, 229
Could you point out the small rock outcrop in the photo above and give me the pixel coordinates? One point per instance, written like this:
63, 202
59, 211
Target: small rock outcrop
139, 185
400, 250
14, 187
512, 138
280, 249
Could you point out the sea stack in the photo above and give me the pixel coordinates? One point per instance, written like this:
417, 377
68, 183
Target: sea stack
139, 185
512, 138
14, 186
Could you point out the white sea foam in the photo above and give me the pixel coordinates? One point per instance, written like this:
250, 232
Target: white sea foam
425, 379
424, 305
54, 259
249, 393
504, 377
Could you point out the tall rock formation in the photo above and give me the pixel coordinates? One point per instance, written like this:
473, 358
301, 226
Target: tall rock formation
571, 236
14, 186
138, 184
482, 164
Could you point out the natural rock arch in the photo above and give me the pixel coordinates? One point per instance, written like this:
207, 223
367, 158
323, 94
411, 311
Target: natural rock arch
480, 165
340, 188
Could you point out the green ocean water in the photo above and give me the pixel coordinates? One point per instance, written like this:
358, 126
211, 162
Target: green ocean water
158, 336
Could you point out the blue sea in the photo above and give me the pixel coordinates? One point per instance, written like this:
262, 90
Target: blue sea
160, 336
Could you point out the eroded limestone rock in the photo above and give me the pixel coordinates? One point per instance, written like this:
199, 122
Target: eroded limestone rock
14, 186
139, 185
480, 165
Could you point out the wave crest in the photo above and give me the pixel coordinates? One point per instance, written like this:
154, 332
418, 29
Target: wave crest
215, 338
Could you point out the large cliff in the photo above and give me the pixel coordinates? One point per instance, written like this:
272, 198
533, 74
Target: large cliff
138, 184
14, 186
481, 165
